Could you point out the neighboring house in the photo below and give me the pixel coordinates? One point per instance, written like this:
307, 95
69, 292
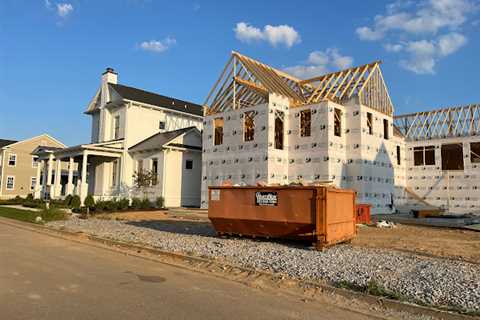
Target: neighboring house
133, 130
18, 166
264, 125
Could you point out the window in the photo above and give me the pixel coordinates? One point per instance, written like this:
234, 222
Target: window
279, 116
154, 171
370, 122
424, 156
398, 156
10, 183
218, 131
33, 183
452, 156
305, 123
337, 123
475, 152
12, 160
161, 125
34, 161
189, 164
116, 127
385, 129
249, 126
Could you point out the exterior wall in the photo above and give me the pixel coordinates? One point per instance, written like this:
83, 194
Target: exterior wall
23, 171
456, 190
355, 159
178, 185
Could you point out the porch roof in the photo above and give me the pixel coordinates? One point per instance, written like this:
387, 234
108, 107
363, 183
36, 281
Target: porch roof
93, 149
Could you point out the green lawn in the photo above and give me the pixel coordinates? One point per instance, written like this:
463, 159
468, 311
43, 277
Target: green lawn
29, 216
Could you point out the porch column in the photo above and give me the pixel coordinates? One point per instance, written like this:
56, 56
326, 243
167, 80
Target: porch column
84, 185
49, 188
71, 164
44, 184
38, 188
58, 178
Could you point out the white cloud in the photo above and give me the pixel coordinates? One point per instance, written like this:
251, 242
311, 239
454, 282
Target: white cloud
423, 55
275, 35
64, 9
321, 62
158, 46
422, 32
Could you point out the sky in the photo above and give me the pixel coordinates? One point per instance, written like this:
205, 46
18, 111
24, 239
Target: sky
52, 53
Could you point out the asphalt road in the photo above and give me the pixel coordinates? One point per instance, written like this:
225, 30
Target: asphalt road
43, 277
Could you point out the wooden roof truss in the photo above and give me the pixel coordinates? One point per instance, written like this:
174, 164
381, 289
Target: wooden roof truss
442, 123
246, 82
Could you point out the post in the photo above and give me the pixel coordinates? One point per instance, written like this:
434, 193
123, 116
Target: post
44, 184
38, 188
71, 164
58, 178
84, 185
49, 188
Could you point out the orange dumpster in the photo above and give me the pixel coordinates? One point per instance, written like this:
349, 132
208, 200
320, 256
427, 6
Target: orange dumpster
322, 215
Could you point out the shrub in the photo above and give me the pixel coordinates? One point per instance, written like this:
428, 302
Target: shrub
76, 202
160, 202
122, 204
111, 205
68, 200
89, 202
136, 203
145, 204
29, 197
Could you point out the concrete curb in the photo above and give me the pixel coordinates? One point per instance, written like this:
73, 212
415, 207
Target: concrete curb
207, 265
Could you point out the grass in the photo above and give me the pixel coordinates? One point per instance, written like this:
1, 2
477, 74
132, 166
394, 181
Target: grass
372, 288
30, 216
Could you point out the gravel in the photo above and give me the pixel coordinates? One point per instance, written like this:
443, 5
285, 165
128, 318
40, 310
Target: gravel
432, 281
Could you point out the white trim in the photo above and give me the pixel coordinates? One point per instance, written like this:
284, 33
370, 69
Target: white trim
8, 161
13, 185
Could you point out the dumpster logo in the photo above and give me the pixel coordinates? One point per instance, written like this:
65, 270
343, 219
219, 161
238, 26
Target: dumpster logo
263, 198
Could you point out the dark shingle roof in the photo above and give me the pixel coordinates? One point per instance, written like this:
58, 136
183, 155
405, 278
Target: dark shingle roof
4, 142
139, 95
158, 140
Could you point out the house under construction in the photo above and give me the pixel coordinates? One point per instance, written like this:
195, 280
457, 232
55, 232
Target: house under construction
262, 124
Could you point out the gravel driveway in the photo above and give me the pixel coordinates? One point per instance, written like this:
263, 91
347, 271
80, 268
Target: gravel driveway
431, 281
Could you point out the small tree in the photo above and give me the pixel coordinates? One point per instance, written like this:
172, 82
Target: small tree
75, 203
143, 180
89, 202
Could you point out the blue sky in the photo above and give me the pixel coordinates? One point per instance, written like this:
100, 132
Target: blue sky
53, 52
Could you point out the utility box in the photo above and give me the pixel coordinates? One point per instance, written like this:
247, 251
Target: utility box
323, 215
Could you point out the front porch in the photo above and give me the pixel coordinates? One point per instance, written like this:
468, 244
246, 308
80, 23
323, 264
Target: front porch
79, 167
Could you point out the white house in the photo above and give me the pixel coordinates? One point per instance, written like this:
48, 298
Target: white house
132, 130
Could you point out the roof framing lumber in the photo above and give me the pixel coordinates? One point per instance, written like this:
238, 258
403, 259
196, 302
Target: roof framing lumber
252, 81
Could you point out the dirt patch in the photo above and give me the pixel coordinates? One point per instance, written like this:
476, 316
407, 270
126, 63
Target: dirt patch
157, 215
439, 242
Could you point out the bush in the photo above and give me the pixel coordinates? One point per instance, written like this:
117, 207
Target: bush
76, 202
145, 204
122, 204
160, 202
68, 200
29, 197
136, 203
89, 202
